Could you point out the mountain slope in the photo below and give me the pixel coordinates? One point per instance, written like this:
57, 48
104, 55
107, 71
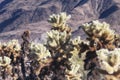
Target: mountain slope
19, 15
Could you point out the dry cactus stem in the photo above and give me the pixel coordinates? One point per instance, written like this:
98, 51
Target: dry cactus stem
24, 51
25, 45
56, 70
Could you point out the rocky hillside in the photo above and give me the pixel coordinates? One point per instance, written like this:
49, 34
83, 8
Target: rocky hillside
19, 15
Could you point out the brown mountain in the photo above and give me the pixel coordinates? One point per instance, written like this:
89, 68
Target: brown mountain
19, 15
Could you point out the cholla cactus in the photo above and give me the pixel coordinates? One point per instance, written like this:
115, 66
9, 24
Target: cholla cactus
9, 52
76, 72
76, 41
56, 38
100, 33
14, 47
59, 21
5, 67
109, 60
14, 44
38, 55
11, 47
99, 36
95, 28
5, 61
63, 58
79, 47
98, 30
39, 50
109, 63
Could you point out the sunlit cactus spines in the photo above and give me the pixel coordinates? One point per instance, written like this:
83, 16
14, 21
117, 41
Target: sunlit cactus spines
14, 44
5, 61
59, 21
99, 33
38, 56
56, 38
5, 66
76, 68
109, 63
109, 60
39, 51
96, 29
9, 48
76, 41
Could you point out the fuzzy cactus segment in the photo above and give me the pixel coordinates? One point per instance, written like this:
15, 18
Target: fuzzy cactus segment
109, 60
76, 68
9, 48
56, 38
76, 41
14, 44
58, 21
5, 61
98, 29
38, 51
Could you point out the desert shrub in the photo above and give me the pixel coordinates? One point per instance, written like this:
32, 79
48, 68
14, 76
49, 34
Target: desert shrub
62, 57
